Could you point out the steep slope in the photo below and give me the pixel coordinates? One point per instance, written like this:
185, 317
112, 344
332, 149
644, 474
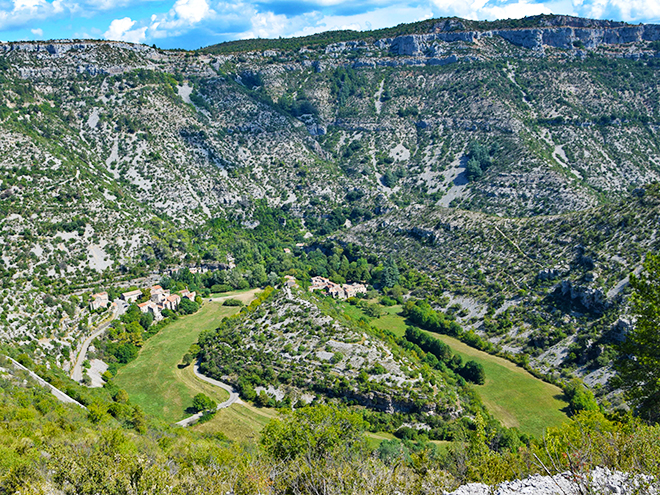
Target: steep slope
552, 287
292, 350
111, 151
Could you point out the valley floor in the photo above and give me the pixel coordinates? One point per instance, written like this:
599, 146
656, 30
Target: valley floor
511, 394
154, 380
163, 389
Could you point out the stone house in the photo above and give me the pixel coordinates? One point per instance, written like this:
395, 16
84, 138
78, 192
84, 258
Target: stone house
99, 300
131, 296
150, 307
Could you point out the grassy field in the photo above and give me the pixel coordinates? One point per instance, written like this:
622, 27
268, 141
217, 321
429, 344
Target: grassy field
240, 423
155, 382
391, 320
232, 293
511, 394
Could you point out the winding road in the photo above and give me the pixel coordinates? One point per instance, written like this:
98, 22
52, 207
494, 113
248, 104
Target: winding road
77, 372
233, 397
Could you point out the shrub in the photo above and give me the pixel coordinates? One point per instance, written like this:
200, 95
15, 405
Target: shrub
314, 433
202, 402
473, 372
233, 302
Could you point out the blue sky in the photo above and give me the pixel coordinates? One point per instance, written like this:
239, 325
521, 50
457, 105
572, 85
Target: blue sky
195, 23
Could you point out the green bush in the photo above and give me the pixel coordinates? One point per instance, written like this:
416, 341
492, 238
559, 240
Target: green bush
188, 307
314, 432
202, 402
233, 302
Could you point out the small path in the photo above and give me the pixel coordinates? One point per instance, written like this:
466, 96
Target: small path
377, 96
233, 397
76, 372
61, 396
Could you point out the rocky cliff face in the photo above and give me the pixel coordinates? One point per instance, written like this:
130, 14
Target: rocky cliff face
533, 39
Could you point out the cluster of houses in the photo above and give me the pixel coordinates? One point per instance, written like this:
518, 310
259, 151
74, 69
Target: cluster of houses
99, 300
337, 291
160, 299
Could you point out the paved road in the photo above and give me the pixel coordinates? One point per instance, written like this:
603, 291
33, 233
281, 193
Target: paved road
61, 396
77, 372
233, 397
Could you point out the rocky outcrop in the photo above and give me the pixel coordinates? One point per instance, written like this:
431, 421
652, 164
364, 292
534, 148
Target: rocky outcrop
63, 46
568, 37
600, 480
591, 299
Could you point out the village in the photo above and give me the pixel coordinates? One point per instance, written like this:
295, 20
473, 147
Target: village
159, 299
338, 291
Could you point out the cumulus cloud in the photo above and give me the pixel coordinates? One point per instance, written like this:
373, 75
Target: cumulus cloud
191, 11
39, 33
516, 10
624, 10
467, 9
490, 9
195, 23
120, 30
181, 18
268, 25
25, 12
104, 5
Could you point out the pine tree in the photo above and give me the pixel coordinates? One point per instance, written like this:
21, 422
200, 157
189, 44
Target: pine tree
391, 274
639, 359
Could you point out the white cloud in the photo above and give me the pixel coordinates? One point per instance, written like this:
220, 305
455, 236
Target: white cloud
38, 32
522, 8
184, 15
106, 4
624, 10
120, 30
268, 25
26, 12
467, 9
490, 9
191, 11
31, 5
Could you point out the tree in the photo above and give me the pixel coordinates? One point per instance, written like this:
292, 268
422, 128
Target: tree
639, 355
187, 359
314, 432
473, 169
580, 398
258, 277
146, 320
202, 402
97, 412
121, 396
474, 372
262, 399
188, 307
390, 276
138, 420
478, 160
